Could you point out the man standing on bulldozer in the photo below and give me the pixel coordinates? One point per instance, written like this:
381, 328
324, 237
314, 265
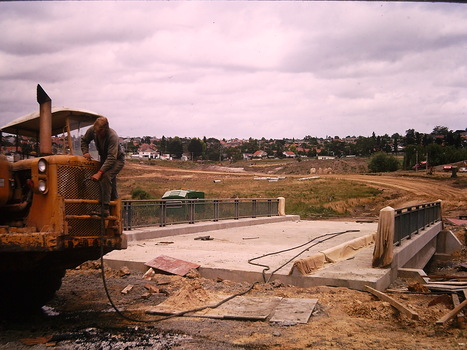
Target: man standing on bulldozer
111, 157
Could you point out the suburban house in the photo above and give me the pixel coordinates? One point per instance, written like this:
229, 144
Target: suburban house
289, 154
260, 154
148, 152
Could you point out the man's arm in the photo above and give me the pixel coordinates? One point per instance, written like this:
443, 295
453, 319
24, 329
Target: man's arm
85, 140
112, 151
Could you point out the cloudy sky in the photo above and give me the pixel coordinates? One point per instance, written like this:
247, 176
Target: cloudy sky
230, 69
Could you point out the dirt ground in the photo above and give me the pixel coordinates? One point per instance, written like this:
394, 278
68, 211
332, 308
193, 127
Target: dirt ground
81, 316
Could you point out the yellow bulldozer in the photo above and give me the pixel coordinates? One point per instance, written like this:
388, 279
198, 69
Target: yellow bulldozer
46, 206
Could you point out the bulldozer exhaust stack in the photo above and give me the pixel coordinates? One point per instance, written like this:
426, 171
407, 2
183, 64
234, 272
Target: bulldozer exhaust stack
45, 112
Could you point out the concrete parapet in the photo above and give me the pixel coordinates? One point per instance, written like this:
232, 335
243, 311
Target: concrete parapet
183, 229
415, 252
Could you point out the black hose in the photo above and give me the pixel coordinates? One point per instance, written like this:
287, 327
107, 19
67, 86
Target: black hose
104, 281
267, 268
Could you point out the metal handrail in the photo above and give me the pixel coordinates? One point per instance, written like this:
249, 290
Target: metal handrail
412, 219
162, 212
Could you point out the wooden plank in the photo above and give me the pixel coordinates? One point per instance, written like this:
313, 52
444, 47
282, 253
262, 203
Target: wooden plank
456, 302
394, 303
447, 277
452, 313
293, 310
248, 308
277, 309
240, 307
450, 283
171, 265
444, 287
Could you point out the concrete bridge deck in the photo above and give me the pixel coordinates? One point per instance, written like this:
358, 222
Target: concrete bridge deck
234, 242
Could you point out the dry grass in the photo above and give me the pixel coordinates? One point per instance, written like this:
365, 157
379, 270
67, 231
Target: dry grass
311, 198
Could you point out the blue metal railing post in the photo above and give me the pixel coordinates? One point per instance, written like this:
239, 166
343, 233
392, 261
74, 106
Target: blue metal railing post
127, 216
163, 214
191, 210
216, 210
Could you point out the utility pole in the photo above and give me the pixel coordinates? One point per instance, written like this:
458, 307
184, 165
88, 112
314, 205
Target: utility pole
426, 165
416, 160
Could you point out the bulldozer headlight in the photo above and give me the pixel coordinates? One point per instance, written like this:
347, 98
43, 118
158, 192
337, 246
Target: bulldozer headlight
42, 186
42, 166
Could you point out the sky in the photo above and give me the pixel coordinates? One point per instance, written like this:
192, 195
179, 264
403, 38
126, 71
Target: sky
240, 69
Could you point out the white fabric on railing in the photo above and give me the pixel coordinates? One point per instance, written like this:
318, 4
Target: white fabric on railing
384, 242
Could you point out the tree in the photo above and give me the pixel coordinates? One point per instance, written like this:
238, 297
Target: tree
364, 146
440, 130
336, 148
163, 147
382, 162
233, 153
395, 142
196, 148
412, 155
251, 146
130, 147
175, 147
410, 137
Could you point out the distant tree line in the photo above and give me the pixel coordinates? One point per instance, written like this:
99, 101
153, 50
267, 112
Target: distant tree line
441, 146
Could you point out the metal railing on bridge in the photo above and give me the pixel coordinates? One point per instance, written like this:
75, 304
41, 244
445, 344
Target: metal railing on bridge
412, 219
139, 213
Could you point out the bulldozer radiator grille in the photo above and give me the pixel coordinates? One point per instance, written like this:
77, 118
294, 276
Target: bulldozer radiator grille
81, 208
72, 183
83, 227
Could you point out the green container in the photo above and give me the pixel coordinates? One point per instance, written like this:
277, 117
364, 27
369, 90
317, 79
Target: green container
178, 208
183, 194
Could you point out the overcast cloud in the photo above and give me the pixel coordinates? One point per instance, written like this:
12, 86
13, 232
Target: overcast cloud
230, 69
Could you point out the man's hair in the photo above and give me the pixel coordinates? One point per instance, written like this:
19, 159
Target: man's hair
101, 123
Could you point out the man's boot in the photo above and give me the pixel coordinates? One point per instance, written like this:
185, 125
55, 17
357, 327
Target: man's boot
104, 211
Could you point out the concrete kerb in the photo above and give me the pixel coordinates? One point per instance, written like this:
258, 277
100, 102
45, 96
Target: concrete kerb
200, 227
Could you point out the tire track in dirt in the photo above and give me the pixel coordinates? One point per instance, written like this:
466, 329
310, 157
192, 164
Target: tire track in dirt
149, 170
416, 190
421, 187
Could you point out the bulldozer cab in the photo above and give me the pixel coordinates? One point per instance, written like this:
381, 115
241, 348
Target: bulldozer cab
64, 121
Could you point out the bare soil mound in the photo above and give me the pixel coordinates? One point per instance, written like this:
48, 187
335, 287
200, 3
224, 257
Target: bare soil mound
311, 166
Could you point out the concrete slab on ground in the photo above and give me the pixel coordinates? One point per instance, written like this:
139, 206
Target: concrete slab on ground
276, 309
227, 253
